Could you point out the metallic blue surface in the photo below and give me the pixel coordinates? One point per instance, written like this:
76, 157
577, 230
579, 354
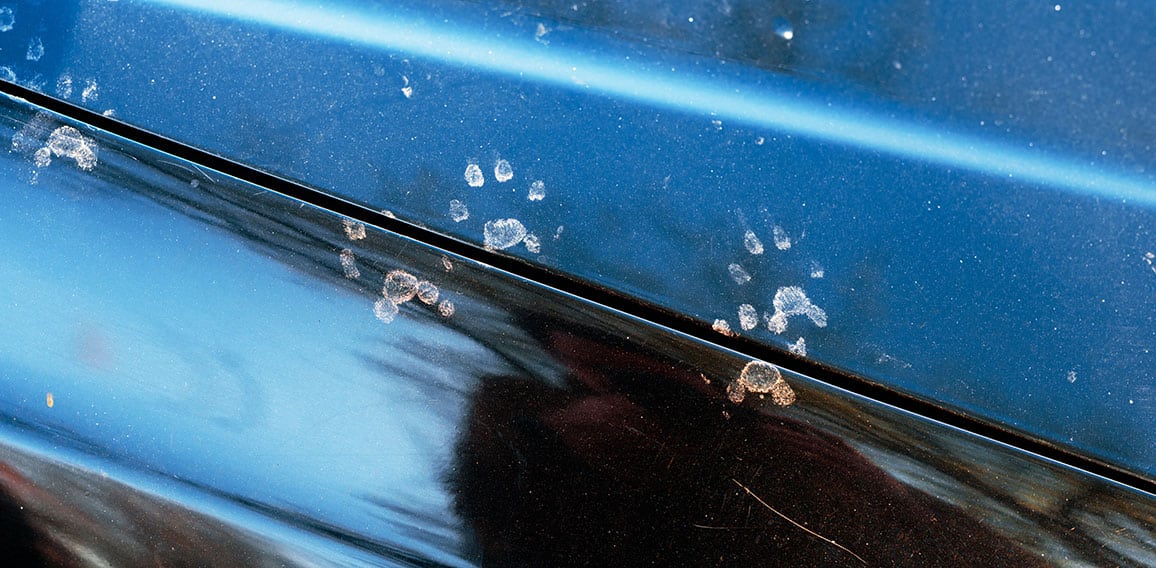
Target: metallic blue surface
190, 360
981, 218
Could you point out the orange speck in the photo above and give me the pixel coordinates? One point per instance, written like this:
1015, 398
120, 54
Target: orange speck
48, 400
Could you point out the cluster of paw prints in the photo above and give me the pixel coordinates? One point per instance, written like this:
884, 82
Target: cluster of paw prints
789, 301
399, 286
501, 234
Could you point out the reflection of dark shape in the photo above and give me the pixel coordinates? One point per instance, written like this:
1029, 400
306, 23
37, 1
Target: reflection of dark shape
637, 464
17, 538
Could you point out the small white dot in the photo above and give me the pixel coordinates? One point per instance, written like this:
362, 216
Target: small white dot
1057, 7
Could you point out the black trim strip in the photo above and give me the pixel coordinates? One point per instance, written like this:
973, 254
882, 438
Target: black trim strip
594, 293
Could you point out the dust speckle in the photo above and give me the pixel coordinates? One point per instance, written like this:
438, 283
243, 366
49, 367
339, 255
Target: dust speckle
67, 142
760, 141
762, 378
748, 317
537, 191
7, 19
400, 286
1149, 257
738, 274
540, 34
35, 49
752, 242
349, 264
1072, 376
458, 211
782, 241
474, 176
792, 301
723, 327
49, 400
385, 310
817, 270
406, 89
446, 308
799, 347
558, 232
533, 244
354, 230
717, 124
64, 86
427, 292
503, 171
503, 233
90, 92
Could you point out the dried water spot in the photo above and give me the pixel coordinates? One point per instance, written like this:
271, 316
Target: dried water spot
792, 301
503, 171
349, 264
49, 400
537, 191
1072, 376
400, 286
385, 310
458, 211
817, 270
503, 233
406, 89
782, 241
354, 230
723, 327
748, 317
427, 292
7, 19
35, 49
474, 176
761, 378
558, 232
446, 308
738, 274
68, 142
533, 244
799, 347
752, 243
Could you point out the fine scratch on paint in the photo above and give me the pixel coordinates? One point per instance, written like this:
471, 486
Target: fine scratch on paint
792, 521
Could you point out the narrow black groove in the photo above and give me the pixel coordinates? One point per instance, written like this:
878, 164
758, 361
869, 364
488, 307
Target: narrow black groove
600, 295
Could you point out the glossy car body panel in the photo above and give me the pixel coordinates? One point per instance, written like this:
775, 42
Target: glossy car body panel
974, 224
202, 371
